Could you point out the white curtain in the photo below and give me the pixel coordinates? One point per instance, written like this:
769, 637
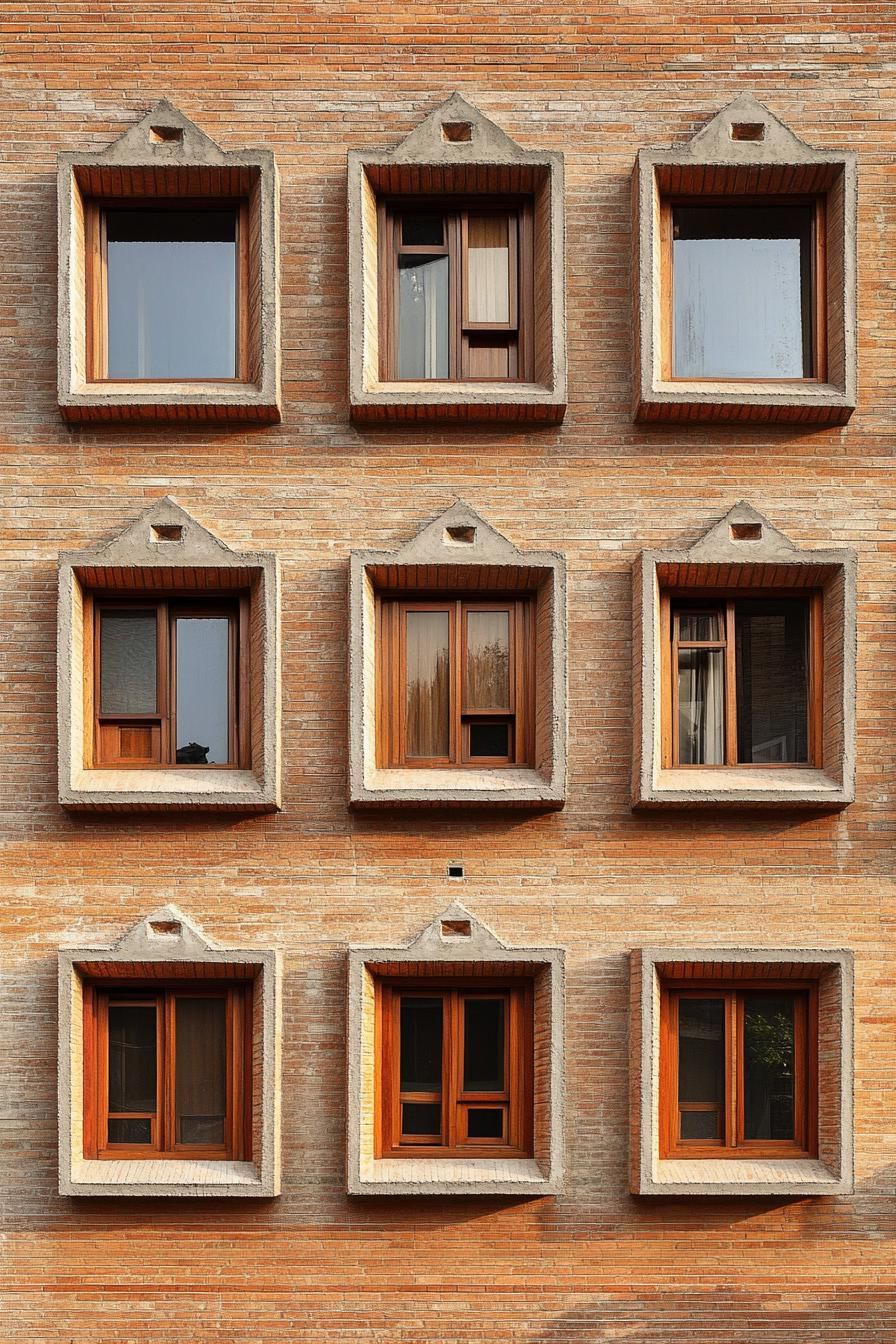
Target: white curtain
701, 708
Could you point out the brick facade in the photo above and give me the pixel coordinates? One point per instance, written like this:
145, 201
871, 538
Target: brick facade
595, 878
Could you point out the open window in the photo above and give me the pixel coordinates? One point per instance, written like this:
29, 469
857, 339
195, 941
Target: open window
744, 671
745, 308
456, 275
168, 278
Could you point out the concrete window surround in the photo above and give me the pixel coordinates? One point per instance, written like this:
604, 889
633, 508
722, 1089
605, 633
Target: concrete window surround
456, 944
165, 548
772, 161
832, 1172
457, 151
166, 943
764, 558
459, 550
166, 156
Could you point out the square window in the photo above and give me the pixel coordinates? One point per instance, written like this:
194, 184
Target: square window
169, 303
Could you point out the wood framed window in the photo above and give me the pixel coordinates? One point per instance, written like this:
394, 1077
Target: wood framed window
169, 684
742, 679
455, 682
743, 288
456, 291
454, 1069
738, 1069
168, 1071
167, 290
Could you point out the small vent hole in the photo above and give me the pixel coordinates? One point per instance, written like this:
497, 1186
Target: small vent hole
455, 870
166, 135
746, 531
748, 130
460, 536
165, 928
456, 928
458, 132
169, 532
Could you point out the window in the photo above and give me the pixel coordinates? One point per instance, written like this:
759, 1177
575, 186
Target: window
170, 682
166, 290
745, 678
744, 284
456, 682
455, 1069
456, 291
168, 1071
738, 1069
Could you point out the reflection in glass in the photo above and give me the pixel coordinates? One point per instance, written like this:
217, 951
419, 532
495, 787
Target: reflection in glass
428, 684
768, 1066
701, 1066
488, 268
132, 1058
171, 279
488, 660
701, 706
200, 1071
772, 653
420, 1068
485, 1122
422, 317
489, 739
421, 1119
742, 291
128, 662
202, 685
483, 1045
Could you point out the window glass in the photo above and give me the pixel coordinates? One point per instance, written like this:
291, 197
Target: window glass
772, 658
701, 706
700, 627
769, 1066
701, 1067
421, 1044
488, 268
428, 684
488, 660
422, 230
200, 1075
203, 691
422, 317
421, 1119
171, 278
485, 1122
483, 1045
489, 739
128, 662
742, 291
132, 1058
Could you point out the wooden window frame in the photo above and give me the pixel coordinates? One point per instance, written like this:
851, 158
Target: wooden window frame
169, 609
818, 282
516, 1100
732, 1144
391, 682
96, 307
674, 601
237, 1144
456, 212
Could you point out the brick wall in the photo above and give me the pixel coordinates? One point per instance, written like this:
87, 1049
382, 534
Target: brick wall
310, 81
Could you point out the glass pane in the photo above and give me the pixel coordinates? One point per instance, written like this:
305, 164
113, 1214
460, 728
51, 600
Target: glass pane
700, 626
701, 1050
202, 712
200, 1070
132, 1058
488, 268
129, 1131
701, 706
421, 1045
700, 1125
422, 230
488, 660
490, 739
128, 662
772, 651
171, 278
484, 1045
422, 317
428, 684
422, 1119
485, 1123
768, 1066
742, 291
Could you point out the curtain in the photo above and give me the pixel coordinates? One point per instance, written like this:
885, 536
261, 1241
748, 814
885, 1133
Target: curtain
701, 707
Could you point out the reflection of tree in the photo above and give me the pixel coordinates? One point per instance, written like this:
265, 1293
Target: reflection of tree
488, 676
770, 1042
768, 1112
428, 708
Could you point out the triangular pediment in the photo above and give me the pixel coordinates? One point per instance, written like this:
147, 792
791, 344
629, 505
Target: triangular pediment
168, 931
165, 533
457, 132
167, 135
747, 117
456, 927
743, 535
458, 534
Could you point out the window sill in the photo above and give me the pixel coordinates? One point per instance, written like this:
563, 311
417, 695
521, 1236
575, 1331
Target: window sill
218, 401
499, 787
183, 1179
138, 790
751, 786
800, 402
741, 1176
451, 1176
459, 401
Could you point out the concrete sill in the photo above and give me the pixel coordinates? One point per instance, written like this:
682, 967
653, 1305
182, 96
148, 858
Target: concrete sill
170, 401
185, 1179
459, 401
137, 790
471, 788
810, 403
428, 1176
717, 1176
735, 786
